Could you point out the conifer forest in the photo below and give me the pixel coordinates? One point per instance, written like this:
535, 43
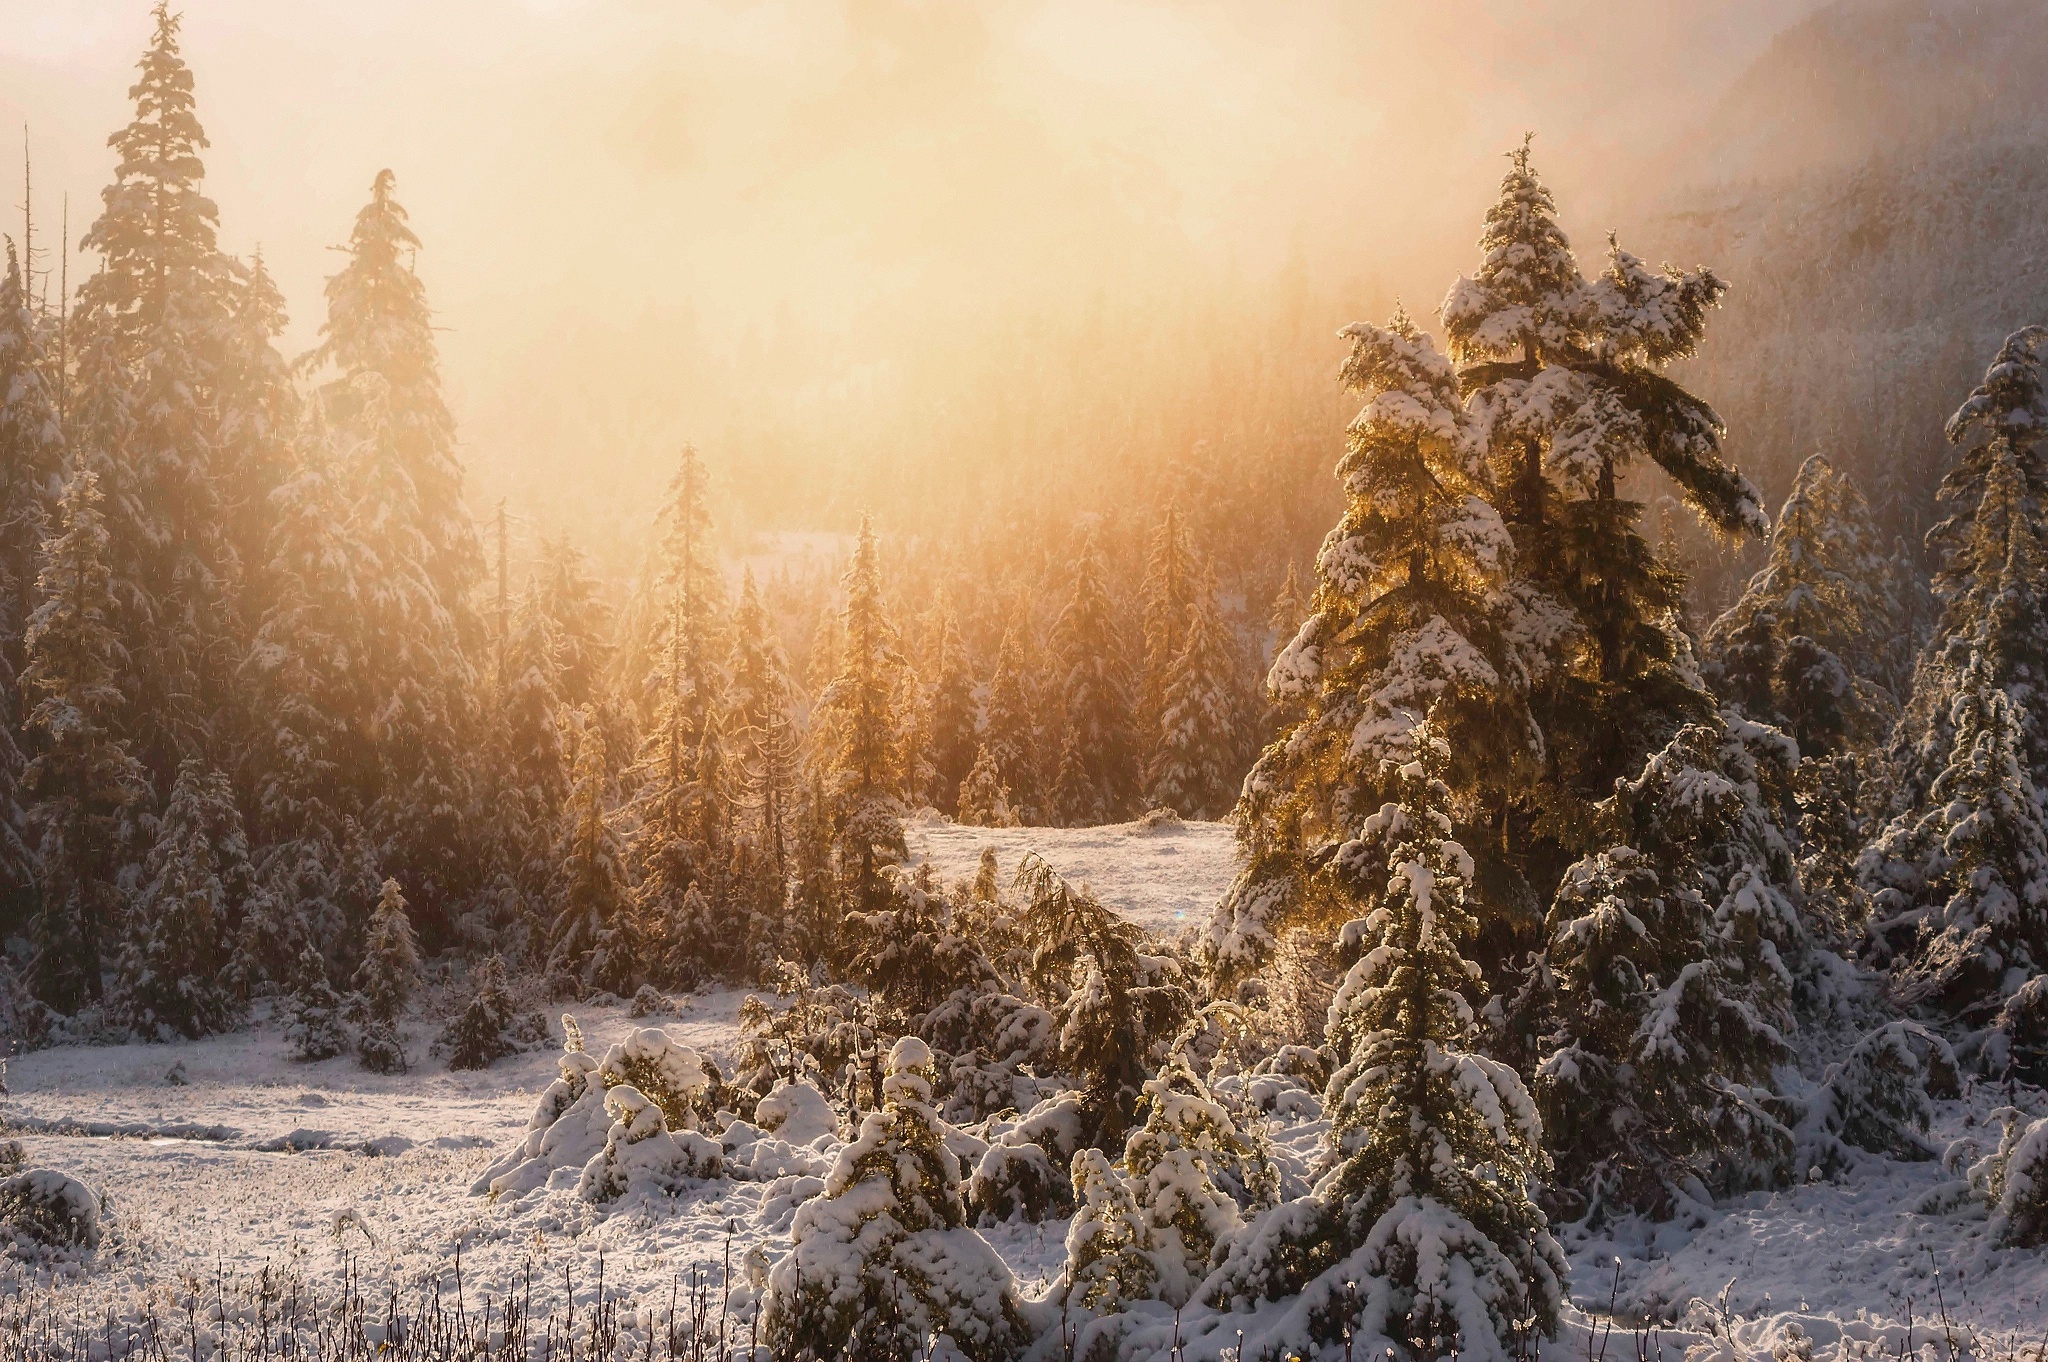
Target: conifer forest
1024, 683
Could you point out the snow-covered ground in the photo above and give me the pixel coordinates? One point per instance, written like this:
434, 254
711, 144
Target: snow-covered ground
255, 1161
1163, 877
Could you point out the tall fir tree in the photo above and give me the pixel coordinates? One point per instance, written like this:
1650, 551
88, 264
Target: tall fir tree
862, 766
423, 558
1169, 589
31, 479
1803, 647
1406, 620
1566, 392
1012, 733
1195, 769
1095, 690
163, 303
1987, 552
86, 784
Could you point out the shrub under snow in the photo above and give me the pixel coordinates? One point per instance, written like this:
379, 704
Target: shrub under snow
50, 1208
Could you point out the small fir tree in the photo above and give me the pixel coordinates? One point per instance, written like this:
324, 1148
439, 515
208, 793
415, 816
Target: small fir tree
391, 958
316, 1026
1194, 772
1095, 688
589, 937
1427, 1205
984, 799
955, 735
863, 775
1012, 731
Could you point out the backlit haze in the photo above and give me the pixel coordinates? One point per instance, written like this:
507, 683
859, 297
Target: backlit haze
874, 252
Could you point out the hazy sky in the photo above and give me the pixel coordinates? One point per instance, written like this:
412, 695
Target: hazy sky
642, 219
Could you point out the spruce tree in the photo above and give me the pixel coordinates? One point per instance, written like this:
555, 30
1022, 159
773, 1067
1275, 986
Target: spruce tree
1076, 800
31, 449
589, 937
1803, 645
422, 551
1117, 1007
85, 782
1404, 618
533, 763
1193, 773
1961, 890
1012, 731
863, 774
984, 800
391, 958
172, 973
955, 734
1423, 1229
1987, 571
1670, 965
1095, 688
1566, 391
1170, 588
162, 304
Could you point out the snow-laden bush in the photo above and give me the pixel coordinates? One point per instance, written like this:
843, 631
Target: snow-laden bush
572, 1126
1109, 1260
50, 1208
884, 1261
641, 1156
2013, 1181
1016, 1181
671, 1076
796, 1113
1877, 1097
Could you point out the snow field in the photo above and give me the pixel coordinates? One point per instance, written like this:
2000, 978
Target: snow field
256, 1162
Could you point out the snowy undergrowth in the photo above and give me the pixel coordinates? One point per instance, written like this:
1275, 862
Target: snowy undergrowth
322, 1168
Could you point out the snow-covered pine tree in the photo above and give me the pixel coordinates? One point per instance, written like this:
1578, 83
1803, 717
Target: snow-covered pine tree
1406, 617
1174, 1162
1987, 571
984, 799
1195, 767
315, 1023
1283, 622
391, 956
303, 674
1961, 890
85, 782
1117, 1006
406, 484
162, 302
1076, 799
1012, 733
1566, 391
533, 761
490, 1026
1670, 966
31, 478
675, 639
884, 1264
862, 775
1804, 644
171, 978
1423, 1229
1170, 588
590, 937
1095, 690
379, 322
955, 718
